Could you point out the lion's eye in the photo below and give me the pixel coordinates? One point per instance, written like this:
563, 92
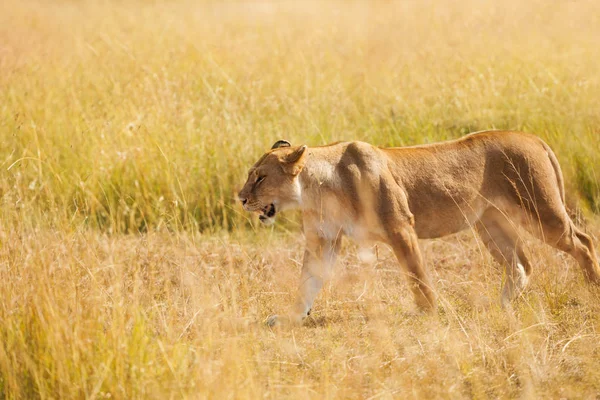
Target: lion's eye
260, 179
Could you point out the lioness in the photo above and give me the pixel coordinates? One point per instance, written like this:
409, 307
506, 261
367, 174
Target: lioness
489, 181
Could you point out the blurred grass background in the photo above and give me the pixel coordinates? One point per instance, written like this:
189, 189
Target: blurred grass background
129, 116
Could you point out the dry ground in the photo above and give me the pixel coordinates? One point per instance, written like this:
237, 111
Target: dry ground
177, 315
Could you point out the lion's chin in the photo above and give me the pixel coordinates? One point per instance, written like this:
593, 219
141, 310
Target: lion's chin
267, 221
268, 215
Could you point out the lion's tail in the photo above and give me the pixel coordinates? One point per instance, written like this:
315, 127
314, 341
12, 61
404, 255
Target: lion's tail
557, 171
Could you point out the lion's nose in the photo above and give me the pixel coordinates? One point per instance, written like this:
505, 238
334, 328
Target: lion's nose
244, 201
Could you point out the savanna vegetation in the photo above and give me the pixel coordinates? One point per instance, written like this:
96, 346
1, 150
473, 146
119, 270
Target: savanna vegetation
128, 270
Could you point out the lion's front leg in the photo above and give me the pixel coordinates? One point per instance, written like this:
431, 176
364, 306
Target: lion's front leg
398, 222
406, 248
319, 258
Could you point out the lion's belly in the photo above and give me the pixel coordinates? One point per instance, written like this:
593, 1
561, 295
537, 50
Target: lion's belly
447, 217
438, 227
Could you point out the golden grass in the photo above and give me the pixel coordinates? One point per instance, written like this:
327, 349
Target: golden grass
142, 118
126, 115
163, 315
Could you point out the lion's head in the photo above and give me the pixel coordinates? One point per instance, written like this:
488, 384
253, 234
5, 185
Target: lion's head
272, 184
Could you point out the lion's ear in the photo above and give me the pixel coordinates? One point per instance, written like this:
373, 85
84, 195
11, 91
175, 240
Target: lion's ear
281, 143
294, 162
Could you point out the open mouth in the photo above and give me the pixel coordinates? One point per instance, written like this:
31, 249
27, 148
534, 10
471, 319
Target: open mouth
267, 213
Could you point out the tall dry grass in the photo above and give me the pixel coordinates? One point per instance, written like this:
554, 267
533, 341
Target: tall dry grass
171, 316
128, 116
142, 118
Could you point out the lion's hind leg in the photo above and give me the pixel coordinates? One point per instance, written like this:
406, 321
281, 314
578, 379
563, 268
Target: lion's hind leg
560, 232
549, 221
586, 255
502, 240
539, 202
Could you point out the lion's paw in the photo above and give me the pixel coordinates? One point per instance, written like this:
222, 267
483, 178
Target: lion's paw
289, 320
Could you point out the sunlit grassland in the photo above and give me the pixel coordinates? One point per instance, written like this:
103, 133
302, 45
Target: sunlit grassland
170, 315
128, 270
129, 116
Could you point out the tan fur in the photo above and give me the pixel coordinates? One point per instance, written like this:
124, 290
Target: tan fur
488, 181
